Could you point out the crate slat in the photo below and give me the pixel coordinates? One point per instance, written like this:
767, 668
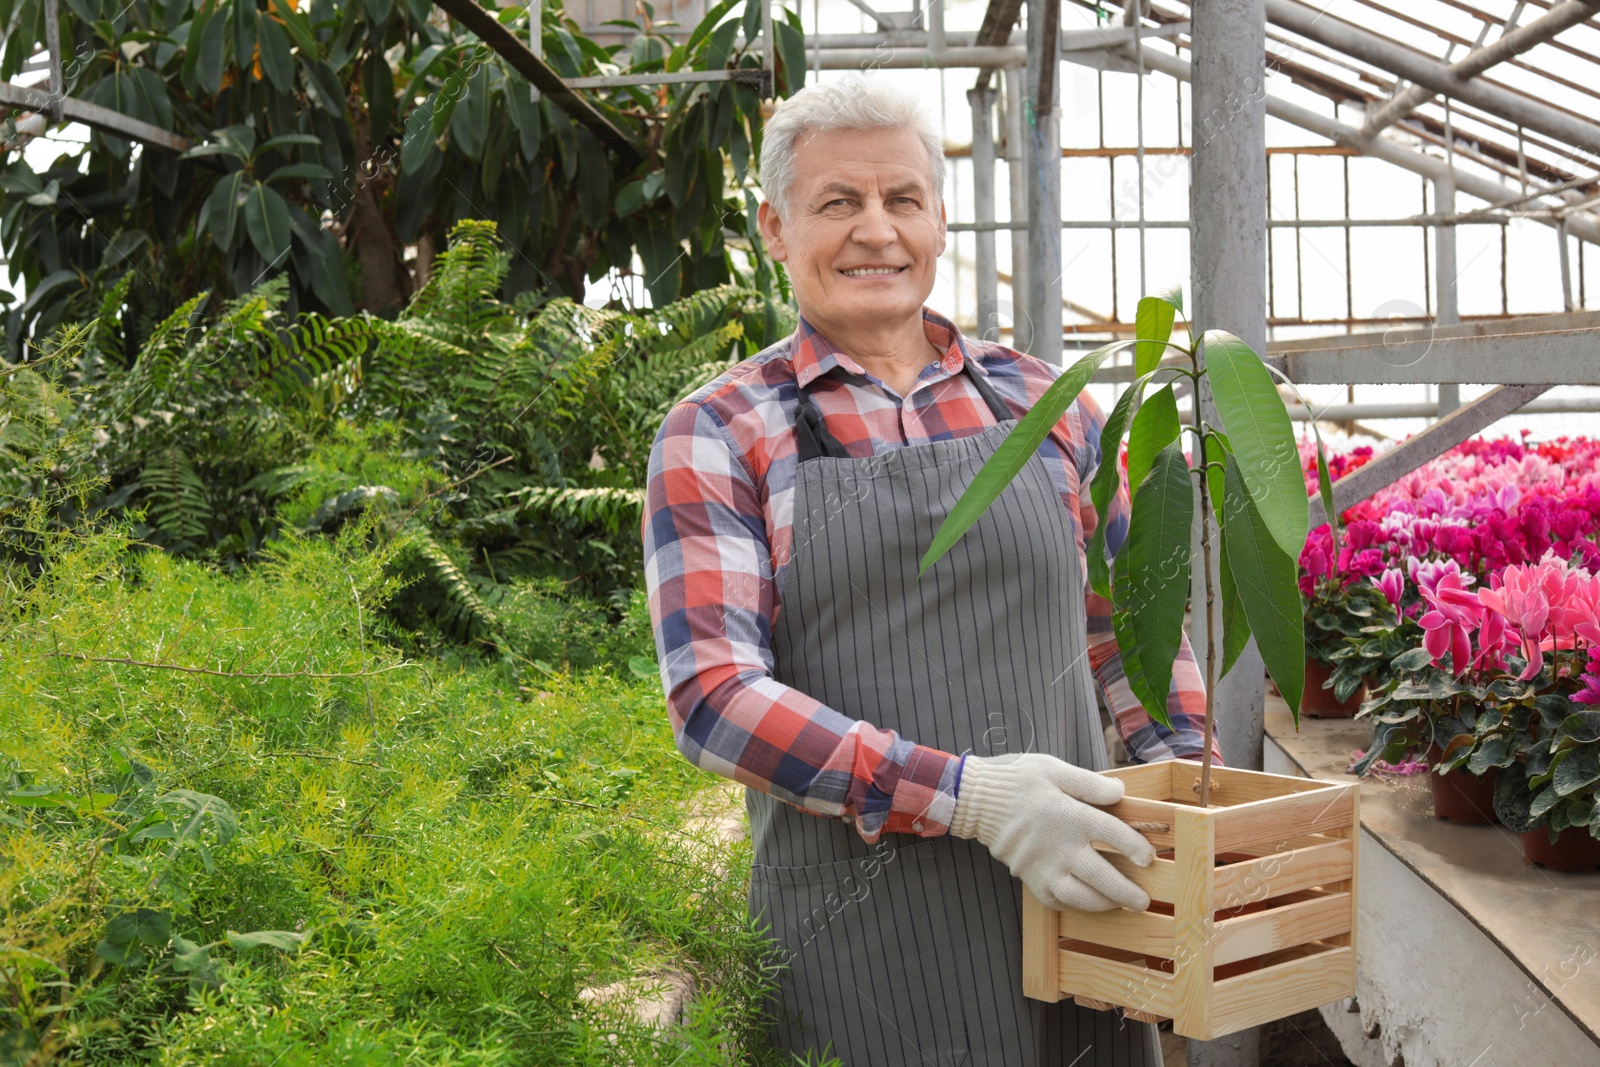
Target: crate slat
1128, 985
1041, 969
1159, 880
1193, 911
1145, 932
1278, 873
1278, 991
1284, 926
1262, 821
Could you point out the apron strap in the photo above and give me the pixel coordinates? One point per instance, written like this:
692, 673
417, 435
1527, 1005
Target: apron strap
815, 440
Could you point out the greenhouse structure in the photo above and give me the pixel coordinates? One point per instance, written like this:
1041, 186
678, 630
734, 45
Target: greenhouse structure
436, 438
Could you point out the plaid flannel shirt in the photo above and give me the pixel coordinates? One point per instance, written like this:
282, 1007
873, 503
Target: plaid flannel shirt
718, 533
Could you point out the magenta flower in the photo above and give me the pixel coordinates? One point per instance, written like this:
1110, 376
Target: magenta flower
1448, 627
1523, 596
1392, 584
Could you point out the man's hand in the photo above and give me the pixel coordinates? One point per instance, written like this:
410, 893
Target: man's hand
1033, 813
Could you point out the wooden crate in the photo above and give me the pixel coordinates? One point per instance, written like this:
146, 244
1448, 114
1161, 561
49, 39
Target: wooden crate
1253, 905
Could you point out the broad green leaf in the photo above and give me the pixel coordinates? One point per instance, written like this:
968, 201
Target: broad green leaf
1153, 327
1581, 727
208, 65
1235, 625
266, 217
1580, 768
288, 139
276, 62
1128, 647
300, 170
221, 211
1154, 428
283, 940
1013, 454
1261, 439
1103, 487
1173, 295
377, 84
1154, 586
1107, 476
243, 16
1265, 578
189, 956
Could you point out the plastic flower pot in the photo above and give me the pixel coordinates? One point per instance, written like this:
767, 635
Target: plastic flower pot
1459, 796
1574, 849
1252, 905
1319, 703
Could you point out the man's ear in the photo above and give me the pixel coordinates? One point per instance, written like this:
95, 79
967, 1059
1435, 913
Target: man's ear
771, 227
943, 227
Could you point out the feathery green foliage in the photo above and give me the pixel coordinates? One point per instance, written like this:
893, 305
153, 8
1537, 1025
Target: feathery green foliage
320, 852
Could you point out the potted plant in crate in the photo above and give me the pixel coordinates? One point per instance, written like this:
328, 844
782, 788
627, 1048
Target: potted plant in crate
1253, 890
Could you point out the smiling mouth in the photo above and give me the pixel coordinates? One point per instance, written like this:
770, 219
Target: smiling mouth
863, 272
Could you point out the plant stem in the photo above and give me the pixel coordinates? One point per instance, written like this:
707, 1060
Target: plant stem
1211, 629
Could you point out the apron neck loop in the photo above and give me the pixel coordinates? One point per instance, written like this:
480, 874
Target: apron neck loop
815, 440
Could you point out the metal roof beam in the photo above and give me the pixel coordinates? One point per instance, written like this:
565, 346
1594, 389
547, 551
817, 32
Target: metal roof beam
483, 23
1424, 70
1431, 443
1586, 226
1512, 43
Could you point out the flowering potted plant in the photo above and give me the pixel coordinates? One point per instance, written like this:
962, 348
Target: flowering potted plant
1221, 827
1550, 755
1516, 653
1349, 599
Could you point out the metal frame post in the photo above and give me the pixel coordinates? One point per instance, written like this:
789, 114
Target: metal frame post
1042, 118
1445, 276
1228, 203
1017, 154
983, 161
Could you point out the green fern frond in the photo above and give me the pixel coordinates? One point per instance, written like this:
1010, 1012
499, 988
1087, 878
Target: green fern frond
460, 610
176, 505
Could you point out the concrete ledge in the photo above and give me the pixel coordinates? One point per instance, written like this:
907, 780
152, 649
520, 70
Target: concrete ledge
1468, 956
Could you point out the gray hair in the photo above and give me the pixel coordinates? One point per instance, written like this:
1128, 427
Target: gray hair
852, 102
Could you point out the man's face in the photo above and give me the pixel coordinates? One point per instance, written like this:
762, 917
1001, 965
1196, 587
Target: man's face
863, 233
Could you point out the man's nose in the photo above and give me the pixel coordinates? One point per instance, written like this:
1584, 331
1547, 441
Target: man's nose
873, 226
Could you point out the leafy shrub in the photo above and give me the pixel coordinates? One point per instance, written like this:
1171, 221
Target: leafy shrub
500, 445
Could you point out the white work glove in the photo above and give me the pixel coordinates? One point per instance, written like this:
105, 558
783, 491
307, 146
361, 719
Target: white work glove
1033, 813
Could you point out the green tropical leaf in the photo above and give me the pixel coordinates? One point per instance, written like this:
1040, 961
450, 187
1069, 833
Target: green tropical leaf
1154, 428
1235, 624
276, 61
208, 65
300, 170
1153, 327
266, 217
1153, 588
1265, 579
1261, 438
221, 212
1013, 454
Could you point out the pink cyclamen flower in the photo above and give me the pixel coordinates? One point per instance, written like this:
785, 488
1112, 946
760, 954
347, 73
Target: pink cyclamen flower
1523, 597
1392, 584
1448, 627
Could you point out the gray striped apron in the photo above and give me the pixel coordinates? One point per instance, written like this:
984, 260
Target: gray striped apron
909, 950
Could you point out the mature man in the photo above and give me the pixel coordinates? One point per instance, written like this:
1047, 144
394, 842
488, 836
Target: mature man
914, 750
